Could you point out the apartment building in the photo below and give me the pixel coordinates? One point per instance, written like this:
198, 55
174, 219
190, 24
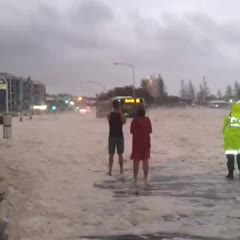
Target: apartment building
22, 93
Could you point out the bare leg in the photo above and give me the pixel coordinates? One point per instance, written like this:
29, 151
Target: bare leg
110, 165
145, 170
121, 163
135, 169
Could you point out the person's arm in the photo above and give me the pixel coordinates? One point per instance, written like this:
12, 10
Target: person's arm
149, 125
123, 118
132, 126
109, 117
225, 123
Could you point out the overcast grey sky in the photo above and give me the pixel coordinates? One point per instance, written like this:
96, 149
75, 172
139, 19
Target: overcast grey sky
67, 42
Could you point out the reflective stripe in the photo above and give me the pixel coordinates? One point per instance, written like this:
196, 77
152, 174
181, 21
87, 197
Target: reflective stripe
234, 122
231, 152
235, 125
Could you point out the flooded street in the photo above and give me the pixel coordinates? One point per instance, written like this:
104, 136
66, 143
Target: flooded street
59, 189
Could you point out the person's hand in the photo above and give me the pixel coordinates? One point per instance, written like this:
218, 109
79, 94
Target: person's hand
123, 117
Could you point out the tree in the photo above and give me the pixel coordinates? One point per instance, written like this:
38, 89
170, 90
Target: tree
219, 94
155, 86
229, 92
144, 84
237, 90
183, 90
191, 91
201, 95
162, 87
205, 90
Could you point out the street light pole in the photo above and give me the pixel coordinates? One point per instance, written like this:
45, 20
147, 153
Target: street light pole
134, 90
6, 90
133, 74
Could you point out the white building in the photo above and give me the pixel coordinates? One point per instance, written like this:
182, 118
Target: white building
152, 85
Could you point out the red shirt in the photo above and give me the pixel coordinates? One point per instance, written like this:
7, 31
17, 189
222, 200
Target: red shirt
141, 128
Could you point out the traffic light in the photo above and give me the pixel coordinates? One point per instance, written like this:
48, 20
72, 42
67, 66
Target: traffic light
54, 108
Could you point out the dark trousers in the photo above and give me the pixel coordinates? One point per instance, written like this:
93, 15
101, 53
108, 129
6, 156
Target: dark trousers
231, 161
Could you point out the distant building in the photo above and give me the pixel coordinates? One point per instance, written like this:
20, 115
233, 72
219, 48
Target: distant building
22, 93
13, 93
27, 94
39, 91
152, 85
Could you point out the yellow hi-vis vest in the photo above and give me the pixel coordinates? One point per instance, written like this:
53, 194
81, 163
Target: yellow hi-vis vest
231, 131
234, 122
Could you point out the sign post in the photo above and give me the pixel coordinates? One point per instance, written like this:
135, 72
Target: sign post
7, 118
4, 86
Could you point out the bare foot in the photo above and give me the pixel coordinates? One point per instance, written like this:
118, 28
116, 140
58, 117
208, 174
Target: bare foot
146, 183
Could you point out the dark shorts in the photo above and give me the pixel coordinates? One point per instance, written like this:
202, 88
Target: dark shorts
115, 142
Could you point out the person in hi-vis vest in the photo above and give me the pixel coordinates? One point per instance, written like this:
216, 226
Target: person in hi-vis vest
231, 131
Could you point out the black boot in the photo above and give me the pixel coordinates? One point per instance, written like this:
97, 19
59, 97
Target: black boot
238, 162
230, 175
230, 166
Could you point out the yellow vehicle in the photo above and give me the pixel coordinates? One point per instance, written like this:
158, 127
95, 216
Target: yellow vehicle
127, 103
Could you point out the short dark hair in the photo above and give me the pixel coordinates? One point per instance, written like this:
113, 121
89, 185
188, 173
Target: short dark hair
116, 104
140, 112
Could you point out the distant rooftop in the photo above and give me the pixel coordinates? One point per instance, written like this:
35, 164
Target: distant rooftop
38, 82
7, 75
11, 76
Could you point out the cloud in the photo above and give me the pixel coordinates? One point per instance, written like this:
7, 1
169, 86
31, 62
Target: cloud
92, 12
193, 37
189, 47
65, 44
46, 30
